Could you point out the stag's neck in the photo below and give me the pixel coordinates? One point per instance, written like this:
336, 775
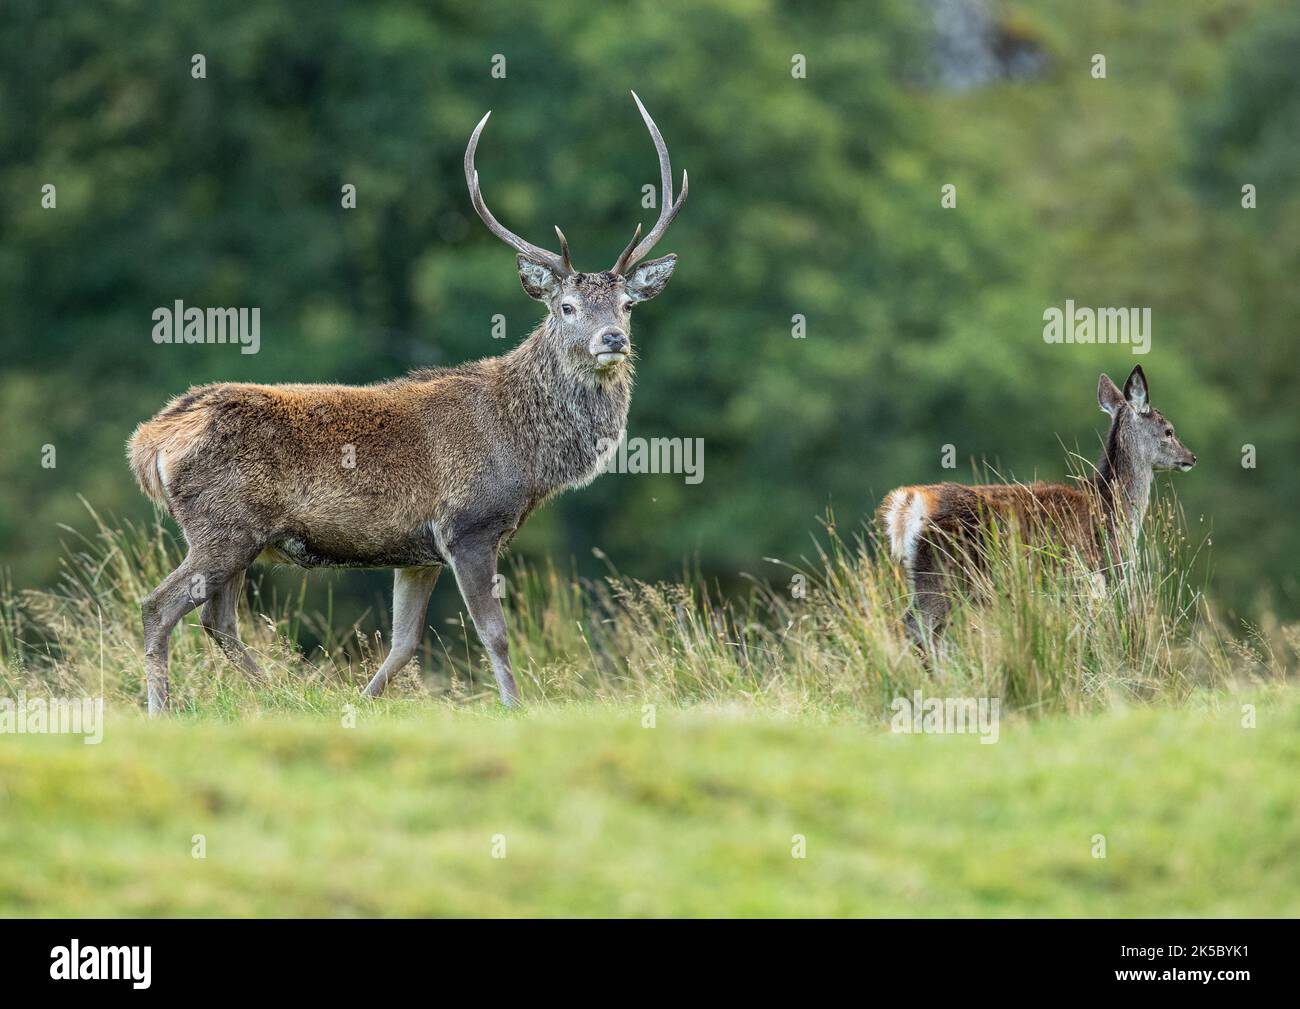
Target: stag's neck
565, 415
1123, 487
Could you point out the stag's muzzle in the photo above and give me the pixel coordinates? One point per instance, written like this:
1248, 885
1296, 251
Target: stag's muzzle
609, 347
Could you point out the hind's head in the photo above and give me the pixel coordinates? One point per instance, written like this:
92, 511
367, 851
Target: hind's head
1143, 432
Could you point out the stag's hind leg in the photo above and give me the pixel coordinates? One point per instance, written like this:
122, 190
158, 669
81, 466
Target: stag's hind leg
160, 611
411, 590
206, 568
219, 619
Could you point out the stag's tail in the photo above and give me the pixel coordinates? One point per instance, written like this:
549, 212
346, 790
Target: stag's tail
159, 444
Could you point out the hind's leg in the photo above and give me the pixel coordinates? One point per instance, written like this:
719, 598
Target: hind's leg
912, 627
219, 620
929, 613
911, 620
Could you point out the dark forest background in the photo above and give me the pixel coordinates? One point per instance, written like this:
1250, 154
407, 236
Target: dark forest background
815, 196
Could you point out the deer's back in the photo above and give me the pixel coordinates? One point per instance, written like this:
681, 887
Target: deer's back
951, 516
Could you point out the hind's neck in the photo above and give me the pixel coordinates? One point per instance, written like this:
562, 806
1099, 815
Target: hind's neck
1123, 485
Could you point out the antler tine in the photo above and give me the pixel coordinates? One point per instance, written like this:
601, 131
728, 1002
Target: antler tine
668, 208
560, 265
620, 264
564, 249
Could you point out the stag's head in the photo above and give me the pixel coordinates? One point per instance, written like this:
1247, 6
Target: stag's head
590, 313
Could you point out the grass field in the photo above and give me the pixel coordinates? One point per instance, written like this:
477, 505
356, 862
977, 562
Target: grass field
696, 816
819, 638
1122, 725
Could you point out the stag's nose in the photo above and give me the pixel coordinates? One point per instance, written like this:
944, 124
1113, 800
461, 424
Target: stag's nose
614, 340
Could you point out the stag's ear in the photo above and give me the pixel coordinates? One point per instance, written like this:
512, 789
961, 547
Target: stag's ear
648, 279
1109, 398
540, 282
1136, 392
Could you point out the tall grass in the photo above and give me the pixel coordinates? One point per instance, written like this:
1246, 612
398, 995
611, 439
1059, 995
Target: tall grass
824, 637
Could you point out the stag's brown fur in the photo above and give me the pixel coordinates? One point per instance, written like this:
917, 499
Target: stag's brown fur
437, 454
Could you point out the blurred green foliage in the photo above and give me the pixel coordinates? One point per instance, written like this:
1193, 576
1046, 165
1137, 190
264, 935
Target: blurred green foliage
817, 197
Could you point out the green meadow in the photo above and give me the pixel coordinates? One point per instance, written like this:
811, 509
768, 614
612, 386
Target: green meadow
679, 753
421, 809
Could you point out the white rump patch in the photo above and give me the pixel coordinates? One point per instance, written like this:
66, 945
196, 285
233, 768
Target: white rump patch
895, 504
160, 464
905, 518
917, 513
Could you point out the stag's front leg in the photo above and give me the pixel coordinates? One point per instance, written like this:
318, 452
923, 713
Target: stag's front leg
475, 565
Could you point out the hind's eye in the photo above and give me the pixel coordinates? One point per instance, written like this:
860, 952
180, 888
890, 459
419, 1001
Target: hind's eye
568, 309
1169, 432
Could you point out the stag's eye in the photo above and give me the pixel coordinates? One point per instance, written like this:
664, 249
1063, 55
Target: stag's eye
1169, 432
568, 309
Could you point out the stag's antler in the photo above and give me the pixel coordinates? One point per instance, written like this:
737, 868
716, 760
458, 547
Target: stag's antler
635, 251
560, 265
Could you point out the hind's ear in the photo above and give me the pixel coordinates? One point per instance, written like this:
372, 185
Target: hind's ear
1136, 391
1109, 398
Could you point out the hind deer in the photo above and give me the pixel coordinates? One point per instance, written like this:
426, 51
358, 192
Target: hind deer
436, 469
936, 531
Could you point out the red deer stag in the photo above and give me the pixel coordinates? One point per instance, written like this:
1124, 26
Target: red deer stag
439, 468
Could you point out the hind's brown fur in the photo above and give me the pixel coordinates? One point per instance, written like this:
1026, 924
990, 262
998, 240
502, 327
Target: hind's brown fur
1067, 514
